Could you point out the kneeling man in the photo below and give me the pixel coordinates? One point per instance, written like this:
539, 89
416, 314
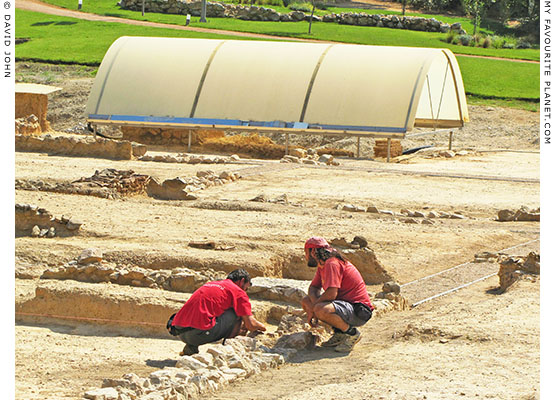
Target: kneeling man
217, 310
337, 295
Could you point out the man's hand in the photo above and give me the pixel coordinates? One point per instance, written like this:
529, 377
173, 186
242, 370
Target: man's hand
252, 324
313, 322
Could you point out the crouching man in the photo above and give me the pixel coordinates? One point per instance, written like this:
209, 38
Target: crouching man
217, 310
337, 295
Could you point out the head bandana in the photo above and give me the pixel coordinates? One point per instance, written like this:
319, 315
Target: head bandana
316, 242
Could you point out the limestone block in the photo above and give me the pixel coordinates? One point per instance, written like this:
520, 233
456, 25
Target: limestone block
90, 255
298, 341
102, 394
189, 362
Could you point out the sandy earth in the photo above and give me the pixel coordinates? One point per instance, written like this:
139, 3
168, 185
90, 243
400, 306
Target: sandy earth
470, 344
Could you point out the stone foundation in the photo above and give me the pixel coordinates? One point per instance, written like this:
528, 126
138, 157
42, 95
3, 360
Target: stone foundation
79, 147
31, 220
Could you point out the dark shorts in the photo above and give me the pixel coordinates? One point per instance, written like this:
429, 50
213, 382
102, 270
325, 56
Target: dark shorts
222, 328
347, 312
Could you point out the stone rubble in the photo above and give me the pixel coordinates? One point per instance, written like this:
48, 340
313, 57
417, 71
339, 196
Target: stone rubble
114, 184
108, 183
310, 159
404, 215
248, 13
184, 158
30, 220
513, 268
522, 214
181, 188
28, 125
281, 199
390, 298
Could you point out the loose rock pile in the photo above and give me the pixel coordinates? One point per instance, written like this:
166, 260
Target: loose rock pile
312, 159
79, 147
190, 159
186, 188
31, 220
113, 184
282, 199
28, 125
108, 183
222, 10
514, 268
522, 214
414, 217
389, 299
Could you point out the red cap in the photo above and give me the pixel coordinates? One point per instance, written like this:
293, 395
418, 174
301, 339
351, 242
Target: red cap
316, 242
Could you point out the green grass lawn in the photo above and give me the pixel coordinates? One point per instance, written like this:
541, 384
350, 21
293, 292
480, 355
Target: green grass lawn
320, 30
68, 40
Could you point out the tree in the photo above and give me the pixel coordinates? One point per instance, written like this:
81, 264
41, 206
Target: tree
475, 8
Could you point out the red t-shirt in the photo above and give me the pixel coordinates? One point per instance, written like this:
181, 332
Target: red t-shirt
210, 301
345, 277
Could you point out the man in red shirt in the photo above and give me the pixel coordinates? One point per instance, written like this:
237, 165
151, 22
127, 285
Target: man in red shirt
337, 295
217, 310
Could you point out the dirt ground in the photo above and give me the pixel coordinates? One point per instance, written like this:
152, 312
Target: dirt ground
472, 343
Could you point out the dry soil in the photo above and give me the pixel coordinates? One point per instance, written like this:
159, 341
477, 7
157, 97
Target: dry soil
472, 343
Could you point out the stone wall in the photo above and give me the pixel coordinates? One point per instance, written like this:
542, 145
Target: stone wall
221, 10
511, 269
79, 147
31, 220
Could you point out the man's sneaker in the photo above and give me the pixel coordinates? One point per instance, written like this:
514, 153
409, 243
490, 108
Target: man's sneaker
189, 350
349, 342
337, 338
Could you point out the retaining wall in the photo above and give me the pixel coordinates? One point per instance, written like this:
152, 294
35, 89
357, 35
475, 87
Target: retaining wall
221, 10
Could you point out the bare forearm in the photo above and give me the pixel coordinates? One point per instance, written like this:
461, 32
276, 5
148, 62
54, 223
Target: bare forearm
329, 295
252, 324
314, 293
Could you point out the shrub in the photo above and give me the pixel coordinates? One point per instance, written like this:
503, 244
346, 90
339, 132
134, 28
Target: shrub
486, 44
523, 44
465, 40
450, 37
435, 5
304, 7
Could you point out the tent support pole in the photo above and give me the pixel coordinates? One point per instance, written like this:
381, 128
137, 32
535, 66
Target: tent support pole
388, 148
358, 147
189, 143
450, 140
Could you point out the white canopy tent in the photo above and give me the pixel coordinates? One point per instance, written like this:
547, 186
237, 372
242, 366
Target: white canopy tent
293, 87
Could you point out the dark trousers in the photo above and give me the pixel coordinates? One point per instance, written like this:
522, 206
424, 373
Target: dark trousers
223, 327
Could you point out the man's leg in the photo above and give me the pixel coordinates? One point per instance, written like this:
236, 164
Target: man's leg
340, 315
326, 312
196, 337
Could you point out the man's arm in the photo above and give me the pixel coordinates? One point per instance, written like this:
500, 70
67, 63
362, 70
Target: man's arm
314, 293
252, 324
330, 294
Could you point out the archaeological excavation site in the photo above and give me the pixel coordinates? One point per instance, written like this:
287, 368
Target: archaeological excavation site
129, 197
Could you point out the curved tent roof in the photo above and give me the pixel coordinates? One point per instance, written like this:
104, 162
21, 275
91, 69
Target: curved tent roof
324, 86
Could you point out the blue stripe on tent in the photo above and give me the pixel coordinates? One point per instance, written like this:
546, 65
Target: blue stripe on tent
237, 122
